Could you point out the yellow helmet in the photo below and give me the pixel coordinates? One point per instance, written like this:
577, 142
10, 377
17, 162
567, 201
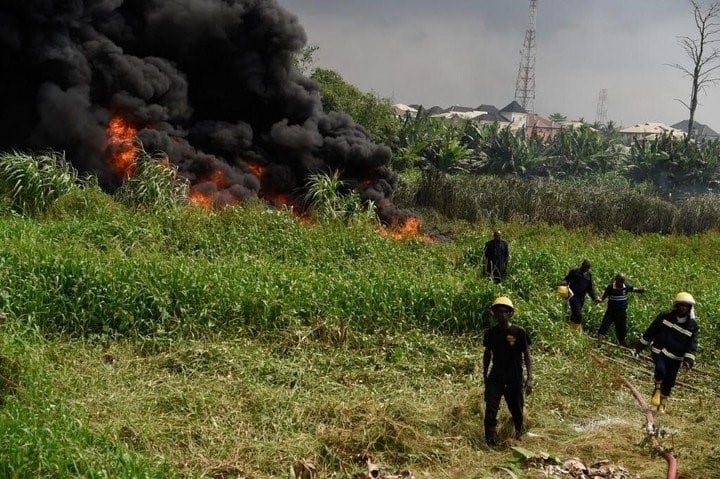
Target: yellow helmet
563, 291
503, 301
684, 297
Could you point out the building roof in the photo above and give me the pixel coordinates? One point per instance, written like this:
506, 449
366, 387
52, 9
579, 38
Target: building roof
537, 121
513, 107
400, 107
652, 129
701, 130
483, 112
487, 108
459, 108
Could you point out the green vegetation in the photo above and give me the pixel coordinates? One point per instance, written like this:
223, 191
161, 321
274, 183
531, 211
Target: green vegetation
177, 342
142, 337
375, 114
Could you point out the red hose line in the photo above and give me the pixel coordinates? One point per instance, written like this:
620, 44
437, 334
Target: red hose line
672, 472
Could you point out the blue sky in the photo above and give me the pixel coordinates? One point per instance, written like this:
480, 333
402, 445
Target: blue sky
467, 52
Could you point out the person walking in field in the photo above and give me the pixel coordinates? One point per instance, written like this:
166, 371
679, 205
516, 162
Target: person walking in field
507, 348
673, 337
616, 294
496, 256
580, 283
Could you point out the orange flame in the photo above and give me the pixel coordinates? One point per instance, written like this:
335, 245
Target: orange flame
200, 199
213, 194
256, 170
121, 139
409, 230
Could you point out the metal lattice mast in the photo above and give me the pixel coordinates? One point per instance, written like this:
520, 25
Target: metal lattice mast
601, 112
525, 84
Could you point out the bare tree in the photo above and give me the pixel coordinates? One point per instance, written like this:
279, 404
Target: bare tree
702, 52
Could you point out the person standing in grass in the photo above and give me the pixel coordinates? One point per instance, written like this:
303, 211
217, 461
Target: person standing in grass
507, 347
673, 337
580, 282
616, 313
496, 256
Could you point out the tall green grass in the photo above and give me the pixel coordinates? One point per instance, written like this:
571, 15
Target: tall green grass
186, 271
30, 183
173, 341
605, 206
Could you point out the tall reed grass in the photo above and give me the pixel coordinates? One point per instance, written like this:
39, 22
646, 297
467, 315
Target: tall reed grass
32, 182
604, 207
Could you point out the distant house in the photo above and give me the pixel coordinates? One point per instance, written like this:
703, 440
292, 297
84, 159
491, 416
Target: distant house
515, 114
512, 115
648, 131
536, 125
700, 131
402, 110
458, 114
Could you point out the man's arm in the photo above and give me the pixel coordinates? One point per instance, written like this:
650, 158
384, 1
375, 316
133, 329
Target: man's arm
689, 357
650, 333
487, 357
527, 356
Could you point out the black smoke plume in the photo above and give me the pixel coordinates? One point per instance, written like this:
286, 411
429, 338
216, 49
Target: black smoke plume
211, 83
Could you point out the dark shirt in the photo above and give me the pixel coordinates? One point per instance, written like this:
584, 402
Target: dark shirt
507, 346
497, 251
670, 338
581, 283
618, 297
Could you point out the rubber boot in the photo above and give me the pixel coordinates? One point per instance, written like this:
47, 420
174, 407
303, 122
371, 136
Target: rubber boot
655, 400
662, 405
491, 439
575, 327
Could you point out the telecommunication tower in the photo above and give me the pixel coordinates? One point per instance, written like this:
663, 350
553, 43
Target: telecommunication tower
525, 84
601, 112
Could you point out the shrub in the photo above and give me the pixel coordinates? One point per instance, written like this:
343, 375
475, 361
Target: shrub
33, 182
155, 184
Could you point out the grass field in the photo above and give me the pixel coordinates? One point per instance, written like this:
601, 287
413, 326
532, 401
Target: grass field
231, 344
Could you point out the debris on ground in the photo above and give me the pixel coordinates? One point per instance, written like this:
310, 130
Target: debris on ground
575, 469
375, 471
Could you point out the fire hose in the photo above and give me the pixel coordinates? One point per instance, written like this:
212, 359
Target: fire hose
650, 429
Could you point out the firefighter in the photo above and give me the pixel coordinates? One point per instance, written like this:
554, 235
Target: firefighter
616, 313
495, 257
507, 347
673, 338
580, 282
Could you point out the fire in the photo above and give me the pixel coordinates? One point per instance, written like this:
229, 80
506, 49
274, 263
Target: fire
410, 229
206, 191
200, 199
121, 143
218, 178
256, 170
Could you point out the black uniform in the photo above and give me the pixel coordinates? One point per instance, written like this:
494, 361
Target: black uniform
581, 283
674, 341
616, 310
496, 253
505, 378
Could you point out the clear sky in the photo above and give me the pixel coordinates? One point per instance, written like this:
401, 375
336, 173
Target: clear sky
467, 52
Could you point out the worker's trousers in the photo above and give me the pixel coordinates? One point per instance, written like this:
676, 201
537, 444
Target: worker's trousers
513, 393
617, 316
666, 371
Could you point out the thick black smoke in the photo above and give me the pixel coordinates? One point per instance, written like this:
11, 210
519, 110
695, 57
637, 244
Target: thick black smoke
211, 83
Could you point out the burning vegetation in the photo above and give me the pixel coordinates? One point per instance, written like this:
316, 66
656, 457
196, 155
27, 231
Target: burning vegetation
209, 83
